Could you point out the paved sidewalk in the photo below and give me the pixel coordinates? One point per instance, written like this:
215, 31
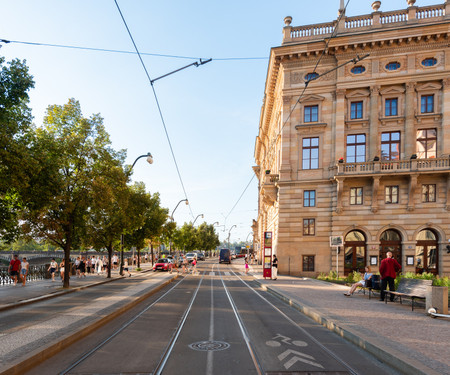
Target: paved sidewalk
411, 341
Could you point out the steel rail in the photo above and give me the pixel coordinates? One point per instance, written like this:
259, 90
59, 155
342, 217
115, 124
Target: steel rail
252, 351
323, 347
119, 330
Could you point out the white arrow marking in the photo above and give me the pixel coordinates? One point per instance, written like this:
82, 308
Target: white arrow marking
293, 360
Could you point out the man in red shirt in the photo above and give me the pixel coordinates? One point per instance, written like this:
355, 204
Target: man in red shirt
14, 268
388, 271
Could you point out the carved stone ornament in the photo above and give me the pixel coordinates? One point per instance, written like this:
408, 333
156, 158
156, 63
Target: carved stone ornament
288, 20
270, 194
376, 5
410, 2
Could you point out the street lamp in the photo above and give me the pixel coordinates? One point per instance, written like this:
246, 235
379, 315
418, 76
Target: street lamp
171, 218
197, 218
229, 234
149, 157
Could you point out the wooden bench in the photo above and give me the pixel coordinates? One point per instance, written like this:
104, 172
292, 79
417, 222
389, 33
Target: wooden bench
374, 284
410, 288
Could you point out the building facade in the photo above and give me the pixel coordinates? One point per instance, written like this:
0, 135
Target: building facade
354, 143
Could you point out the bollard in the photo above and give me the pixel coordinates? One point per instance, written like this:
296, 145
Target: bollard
437, 297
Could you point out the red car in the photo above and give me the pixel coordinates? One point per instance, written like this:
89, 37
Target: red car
163, 264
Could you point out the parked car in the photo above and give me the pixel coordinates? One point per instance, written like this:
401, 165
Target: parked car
163, 264
225, 256
200, 256
191, 256
233, 254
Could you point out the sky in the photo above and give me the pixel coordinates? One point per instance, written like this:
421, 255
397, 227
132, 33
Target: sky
211, 112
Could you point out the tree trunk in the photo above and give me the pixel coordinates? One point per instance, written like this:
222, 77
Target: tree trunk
110, 250
67, 266
139, 258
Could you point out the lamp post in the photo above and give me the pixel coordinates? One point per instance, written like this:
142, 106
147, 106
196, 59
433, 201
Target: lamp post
149, 157
171, 218
229, 234
248, 249
197, 218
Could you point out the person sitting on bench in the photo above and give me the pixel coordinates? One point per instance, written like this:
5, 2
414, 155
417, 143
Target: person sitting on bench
367, 276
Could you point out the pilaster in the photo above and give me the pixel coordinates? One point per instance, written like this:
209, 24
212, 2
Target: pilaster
373, 135
339, 141
410, 139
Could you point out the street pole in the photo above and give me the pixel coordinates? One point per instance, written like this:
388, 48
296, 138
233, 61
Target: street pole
171, 218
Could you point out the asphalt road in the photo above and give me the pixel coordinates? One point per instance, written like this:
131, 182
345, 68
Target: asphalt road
216, 322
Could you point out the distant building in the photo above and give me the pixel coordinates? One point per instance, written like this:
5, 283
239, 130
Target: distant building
358, 147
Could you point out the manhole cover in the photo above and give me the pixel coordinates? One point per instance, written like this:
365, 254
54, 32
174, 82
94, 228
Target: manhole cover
209, 345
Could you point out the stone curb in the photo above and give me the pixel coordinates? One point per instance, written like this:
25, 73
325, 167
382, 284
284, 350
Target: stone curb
43, 353
395, 359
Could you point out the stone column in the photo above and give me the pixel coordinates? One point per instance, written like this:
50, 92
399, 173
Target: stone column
374, 146
339, 140
410, 134
286, 141
444, 146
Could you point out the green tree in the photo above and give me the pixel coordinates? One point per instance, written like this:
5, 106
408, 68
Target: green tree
207, 237
16, 162
75, 151
186, 237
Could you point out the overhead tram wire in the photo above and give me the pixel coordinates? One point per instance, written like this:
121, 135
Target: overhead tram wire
6, 41
333, 34
157, 103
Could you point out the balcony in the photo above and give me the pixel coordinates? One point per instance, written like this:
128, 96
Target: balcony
368, 22
398, 167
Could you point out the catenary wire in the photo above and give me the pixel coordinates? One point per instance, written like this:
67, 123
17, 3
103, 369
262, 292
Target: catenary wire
296, 103
6, 41
157, 103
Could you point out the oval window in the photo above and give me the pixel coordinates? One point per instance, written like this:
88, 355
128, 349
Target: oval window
358, 69
393, 66
311, 76
429, 62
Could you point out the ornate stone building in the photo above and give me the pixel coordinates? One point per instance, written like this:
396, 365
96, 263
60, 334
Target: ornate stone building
354, 143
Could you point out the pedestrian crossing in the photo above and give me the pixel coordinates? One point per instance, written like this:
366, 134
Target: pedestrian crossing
225, 273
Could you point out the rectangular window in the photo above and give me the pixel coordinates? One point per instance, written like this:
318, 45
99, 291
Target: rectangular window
427, 104
391, 194
390, 146
311, 113
391, 107
356, 195
310, 153
309, 198
356, 110
428, 193
356, 148
309, 227
426, 143
308, 263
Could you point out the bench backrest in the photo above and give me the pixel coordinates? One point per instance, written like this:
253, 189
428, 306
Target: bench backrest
415, 287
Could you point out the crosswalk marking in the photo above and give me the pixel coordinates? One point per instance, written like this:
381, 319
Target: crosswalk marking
227, 274
212, 274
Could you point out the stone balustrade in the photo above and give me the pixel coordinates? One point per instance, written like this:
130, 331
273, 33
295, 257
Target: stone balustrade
393, 166
375, 20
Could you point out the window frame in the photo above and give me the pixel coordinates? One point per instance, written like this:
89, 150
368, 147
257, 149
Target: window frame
308, 263
357, 110
310, 115
310, 148
427, 104
356, 196
355, 147
309, 227
428, 197
388, 109
388, 193
426, 140
391, 142
307, 199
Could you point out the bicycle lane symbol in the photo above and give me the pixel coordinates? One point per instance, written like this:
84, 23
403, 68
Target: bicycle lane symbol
297, 356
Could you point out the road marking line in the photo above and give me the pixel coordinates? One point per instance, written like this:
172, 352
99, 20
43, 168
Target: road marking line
212, 274
227, 274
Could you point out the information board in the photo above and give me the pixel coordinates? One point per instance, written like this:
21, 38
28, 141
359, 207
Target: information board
267, 264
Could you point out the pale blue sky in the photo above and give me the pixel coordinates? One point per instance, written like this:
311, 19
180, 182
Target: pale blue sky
211, 112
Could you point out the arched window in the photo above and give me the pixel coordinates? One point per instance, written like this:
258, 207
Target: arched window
391, 240
354, 252
358, 69
429, 62
427, 252
393, 66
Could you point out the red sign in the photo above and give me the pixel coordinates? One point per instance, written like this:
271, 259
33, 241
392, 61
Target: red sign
267, 256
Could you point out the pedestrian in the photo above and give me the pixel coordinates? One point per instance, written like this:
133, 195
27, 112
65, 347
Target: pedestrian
194, 264
125, 267
275, 267
24, 270
62, 269
88, 265
53, 268
77, 266
185, 264
246, 265
99, 265
83, 267
14, 268
115, 260
388, 272
367, 276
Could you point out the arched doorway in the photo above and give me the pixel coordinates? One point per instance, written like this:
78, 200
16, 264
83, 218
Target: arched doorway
427, 253
391, 240
354, 252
